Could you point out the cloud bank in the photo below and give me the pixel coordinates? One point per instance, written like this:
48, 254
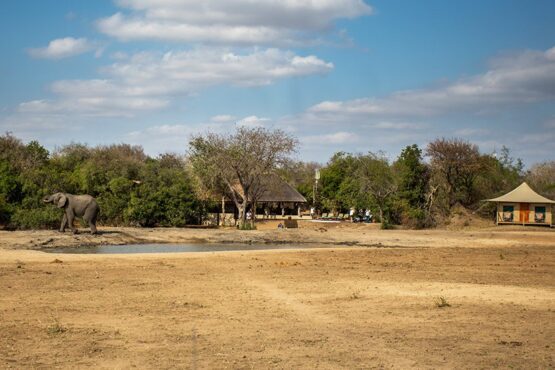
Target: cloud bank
149, 81
522, 78
229, 22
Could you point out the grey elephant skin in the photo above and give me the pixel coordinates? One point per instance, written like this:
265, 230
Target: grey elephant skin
83, 206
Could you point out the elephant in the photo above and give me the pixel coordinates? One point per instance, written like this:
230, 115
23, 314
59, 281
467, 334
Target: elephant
84, 206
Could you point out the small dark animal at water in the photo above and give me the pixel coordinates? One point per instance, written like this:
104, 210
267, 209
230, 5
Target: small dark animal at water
83, 206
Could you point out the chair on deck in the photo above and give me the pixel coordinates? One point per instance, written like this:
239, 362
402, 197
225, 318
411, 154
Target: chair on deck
507, 216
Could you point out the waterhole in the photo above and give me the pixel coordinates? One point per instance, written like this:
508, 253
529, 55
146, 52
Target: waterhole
172, 248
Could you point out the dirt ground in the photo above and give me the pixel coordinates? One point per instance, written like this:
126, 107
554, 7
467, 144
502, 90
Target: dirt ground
370, 302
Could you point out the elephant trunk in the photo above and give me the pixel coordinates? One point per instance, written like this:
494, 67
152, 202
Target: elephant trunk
47, 199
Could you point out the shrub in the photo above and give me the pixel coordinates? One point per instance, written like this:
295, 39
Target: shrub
386, 225
441, 302
36, 218
6, 211
246, 226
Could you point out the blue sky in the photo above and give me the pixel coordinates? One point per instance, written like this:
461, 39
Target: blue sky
347, 75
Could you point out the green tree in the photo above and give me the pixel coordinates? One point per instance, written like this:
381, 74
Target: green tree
413, 176
165, 196
499, 175
237, 162
376, 178
338, 189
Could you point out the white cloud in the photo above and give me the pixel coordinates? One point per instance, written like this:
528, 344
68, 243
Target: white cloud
119, 55
162, 138
147, 81
538, 138
390, 125
471, 132
222, 118
522, 78
253, 121
174, 138
236, 22
333, 138
63, 48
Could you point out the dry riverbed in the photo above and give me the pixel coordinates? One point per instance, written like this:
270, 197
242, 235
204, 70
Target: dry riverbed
373, 302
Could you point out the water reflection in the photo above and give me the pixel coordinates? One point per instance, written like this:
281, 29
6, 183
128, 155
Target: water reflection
171, 248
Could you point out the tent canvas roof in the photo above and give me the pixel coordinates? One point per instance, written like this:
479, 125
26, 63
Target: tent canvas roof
522, 194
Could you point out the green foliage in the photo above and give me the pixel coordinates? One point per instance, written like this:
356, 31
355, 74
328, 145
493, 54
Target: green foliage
166, 197
10, 187
130, 187
337, 189
37, 218
6, 210
246, 226
135, 189
413, 177
234, 164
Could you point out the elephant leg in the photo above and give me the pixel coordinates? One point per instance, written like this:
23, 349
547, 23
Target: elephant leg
64, 223
90, 217
70, 218
93, 228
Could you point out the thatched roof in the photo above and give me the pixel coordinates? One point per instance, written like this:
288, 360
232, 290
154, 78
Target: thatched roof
522, 194
275, 189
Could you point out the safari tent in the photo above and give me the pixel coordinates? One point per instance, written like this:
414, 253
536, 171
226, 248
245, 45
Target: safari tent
523, 206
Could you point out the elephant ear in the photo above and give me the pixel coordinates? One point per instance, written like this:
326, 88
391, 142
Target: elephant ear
62, 200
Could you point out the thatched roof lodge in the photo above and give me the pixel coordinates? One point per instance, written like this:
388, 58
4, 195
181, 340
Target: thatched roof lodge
523, 206
273, 189
273, 192
275, 198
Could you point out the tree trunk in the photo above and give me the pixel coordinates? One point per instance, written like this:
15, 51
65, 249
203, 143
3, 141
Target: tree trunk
241, 207
242, 214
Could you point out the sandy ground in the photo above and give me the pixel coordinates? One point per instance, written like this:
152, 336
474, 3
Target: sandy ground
369, 303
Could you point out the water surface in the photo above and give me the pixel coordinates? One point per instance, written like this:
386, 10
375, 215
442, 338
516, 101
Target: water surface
174, 248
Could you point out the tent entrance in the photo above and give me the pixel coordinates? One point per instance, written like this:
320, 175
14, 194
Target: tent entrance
524, 212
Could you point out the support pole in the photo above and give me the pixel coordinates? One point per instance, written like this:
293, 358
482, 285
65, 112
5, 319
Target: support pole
223, 211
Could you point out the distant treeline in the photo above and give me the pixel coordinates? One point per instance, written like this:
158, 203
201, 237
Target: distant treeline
133, 188
421, 187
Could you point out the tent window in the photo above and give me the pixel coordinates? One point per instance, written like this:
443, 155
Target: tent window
508, 212
539, 214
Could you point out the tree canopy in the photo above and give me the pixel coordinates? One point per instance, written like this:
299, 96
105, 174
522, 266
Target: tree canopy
234, 164
133, 188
